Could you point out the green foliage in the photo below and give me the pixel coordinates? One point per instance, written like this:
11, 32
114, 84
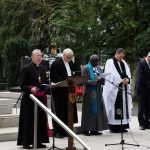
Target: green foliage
86, 26
28, 19
15, 48
142, 41
103, 26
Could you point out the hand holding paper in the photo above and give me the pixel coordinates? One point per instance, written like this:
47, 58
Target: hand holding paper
101, 81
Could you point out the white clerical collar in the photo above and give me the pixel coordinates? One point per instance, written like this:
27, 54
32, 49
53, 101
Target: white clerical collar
67, 67
148, 63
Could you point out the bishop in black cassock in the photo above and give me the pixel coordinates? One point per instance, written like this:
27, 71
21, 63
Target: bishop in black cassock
32, 76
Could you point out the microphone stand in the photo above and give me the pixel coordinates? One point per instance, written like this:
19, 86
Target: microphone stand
122, 142
16, 103
113, 83
53, 107
120, 88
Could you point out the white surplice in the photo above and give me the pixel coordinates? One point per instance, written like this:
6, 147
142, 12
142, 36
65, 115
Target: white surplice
110, 92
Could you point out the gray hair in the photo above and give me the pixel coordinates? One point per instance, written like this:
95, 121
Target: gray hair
148, 54
34, 51
68, 51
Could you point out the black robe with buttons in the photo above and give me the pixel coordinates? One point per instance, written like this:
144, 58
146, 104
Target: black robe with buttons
29, 77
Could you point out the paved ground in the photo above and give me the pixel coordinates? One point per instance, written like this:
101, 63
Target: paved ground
134, 136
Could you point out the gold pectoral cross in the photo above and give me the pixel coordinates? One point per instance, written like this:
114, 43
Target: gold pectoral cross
39, 79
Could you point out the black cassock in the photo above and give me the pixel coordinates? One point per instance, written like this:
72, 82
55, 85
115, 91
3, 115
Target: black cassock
32, 75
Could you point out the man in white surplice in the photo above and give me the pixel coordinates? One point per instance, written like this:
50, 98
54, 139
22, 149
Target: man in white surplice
118, 103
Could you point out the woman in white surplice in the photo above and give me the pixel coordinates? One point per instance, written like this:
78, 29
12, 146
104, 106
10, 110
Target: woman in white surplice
118, 103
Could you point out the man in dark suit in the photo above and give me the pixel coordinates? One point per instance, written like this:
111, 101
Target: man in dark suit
143, 92
59, 71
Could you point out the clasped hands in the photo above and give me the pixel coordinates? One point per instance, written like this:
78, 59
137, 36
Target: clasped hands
125, 81
34, 90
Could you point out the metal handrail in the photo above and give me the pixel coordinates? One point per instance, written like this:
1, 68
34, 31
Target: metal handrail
66, 128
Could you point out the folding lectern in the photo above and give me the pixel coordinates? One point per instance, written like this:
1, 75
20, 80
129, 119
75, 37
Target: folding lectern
70, 82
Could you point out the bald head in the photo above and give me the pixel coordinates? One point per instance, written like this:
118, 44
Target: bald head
94, 59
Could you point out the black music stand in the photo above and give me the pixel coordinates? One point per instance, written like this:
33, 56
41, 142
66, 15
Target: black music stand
53, 107
16, 103
53, 144
70, 82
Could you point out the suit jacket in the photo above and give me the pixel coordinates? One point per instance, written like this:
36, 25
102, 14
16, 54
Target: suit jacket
58, 70
142, 77
58, 73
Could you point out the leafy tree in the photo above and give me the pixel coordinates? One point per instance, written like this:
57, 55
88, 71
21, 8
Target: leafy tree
85, 26
15, 49
27, 19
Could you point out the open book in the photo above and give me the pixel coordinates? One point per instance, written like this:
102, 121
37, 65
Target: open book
43, 87
75, 79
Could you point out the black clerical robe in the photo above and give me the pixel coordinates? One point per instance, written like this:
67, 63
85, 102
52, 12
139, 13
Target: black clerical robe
32, 76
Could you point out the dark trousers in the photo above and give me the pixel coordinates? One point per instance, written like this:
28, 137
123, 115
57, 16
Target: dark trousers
143, 109
60, 101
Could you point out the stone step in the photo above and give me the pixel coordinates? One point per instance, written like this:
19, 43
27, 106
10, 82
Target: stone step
12, 95
11, 133
8, 134
9, 120
7, 101
7, 104
5, 109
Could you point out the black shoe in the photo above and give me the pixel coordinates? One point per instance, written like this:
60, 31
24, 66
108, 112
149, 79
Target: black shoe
57, 135
124, 130
147, 127
115, 131
87, 133
27, 147
63, 133
96, 133
141, 127
41, 145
